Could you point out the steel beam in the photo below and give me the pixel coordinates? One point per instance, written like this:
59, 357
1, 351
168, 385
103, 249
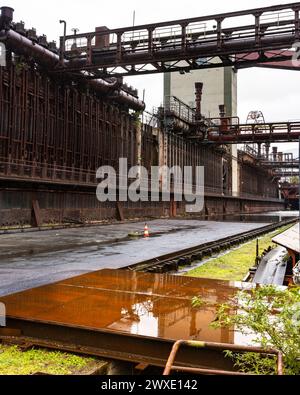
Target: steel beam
112, 345
196, 43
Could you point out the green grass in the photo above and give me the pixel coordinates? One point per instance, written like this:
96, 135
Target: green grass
15, 362
235, 265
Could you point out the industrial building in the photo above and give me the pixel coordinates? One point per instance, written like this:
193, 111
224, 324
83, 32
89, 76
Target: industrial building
56, 131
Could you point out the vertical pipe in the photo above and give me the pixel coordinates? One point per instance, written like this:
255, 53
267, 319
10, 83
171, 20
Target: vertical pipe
184, 37
267, 145
219, 33
199, 90
150, 41
89, 50
297, 24
119, 46
63, 42
257, 29
138, 130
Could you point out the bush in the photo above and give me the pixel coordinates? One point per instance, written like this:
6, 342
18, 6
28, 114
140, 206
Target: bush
272, 316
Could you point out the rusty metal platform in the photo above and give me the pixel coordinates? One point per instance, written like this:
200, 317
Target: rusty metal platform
124, 315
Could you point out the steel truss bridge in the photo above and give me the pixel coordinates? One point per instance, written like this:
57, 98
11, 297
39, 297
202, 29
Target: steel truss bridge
255, 37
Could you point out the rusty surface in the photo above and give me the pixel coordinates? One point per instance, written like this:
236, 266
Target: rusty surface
122, 301
124, 315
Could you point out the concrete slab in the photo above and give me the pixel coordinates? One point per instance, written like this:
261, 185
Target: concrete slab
140, 304
18, 274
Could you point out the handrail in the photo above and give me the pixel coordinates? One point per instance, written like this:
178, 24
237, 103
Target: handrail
217, 346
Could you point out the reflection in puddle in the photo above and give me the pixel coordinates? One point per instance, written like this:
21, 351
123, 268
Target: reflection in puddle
134, 303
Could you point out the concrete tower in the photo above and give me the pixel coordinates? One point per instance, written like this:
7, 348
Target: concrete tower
220, 87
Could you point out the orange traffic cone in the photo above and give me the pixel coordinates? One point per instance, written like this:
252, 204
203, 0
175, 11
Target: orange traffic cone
146, 232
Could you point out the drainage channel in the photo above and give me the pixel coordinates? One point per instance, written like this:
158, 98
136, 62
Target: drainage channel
171, 262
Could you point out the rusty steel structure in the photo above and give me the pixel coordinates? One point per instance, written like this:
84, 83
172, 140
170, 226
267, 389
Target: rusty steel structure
290, 193
179, 117
83, 324
57, 129
237, 133
183, 45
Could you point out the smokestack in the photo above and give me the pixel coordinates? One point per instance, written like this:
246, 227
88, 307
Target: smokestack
6, 18
199, 90
224, 124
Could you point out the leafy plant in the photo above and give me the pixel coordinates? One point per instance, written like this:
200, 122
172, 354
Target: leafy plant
272, 316
253, 363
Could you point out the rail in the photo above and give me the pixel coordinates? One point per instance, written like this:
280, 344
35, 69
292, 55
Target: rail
217, 346
176, 107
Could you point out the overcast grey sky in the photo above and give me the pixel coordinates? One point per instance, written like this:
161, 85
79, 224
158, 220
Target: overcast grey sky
275, 92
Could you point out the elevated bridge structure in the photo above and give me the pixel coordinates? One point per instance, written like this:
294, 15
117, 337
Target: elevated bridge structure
224, 131
241, 39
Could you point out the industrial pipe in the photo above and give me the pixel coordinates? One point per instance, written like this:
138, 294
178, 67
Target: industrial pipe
63, 44
199, 89
23, 46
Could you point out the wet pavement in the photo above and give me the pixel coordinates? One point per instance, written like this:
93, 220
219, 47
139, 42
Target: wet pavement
29, 243
140, 304
21, 273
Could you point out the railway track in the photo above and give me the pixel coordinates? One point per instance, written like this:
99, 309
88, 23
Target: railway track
171, 262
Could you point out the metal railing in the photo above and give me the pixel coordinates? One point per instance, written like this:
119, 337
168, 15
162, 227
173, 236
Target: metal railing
220, 347
227, 132
179, 109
